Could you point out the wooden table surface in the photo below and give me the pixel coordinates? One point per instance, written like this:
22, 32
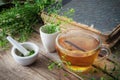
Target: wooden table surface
107, 69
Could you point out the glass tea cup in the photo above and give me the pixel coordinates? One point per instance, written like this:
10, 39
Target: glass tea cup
78, 50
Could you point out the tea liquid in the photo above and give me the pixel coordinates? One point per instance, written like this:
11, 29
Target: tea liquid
81, 50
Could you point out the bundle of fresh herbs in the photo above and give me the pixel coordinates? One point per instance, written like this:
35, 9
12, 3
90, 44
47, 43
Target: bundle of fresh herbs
51, 28
18, 20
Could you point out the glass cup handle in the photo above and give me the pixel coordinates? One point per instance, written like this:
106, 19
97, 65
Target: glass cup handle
105, 51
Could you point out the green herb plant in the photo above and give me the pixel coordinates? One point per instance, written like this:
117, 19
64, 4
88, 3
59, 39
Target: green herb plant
31, 52
54, 12
51, 28
53, 65
57, 65
19, 20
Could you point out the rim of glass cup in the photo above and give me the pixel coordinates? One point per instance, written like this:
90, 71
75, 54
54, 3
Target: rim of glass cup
89, 34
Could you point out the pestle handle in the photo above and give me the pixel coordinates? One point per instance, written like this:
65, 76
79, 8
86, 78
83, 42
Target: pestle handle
18, 46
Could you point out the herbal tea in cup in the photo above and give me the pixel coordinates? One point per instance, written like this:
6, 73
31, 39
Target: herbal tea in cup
78, 50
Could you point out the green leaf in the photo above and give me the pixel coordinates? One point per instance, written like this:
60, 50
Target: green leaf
31, 52
51, 66
102, 78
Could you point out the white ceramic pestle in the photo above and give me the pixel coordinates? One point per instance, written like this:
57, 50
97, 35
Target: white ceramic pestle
24, 51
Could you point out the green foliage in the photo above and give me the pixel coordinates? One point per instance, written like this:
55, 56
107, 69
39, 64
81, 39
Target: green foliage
66, 74
102, 78
53, 65
51, 28
31, 52
69, 13
18, 21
